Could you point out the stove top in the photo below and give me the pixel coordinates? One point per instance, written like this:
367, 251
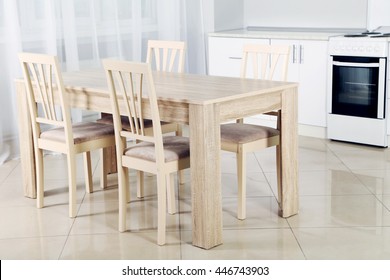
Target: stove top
373, 43
380, 32
367, 35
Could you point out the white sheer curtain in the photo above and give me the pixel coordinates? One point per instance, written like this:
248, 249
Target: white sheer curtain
82, 32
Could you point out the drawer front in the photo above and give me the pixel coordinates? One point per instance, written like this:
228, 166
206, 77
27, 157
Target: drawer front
225, 55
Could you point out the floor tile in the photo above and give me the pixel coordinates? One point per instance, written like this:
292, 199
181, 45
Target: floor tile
17, 222
141, 215
119, 246
326, 182
340, 211
256, 185
262, 212
345, 243
7, 168
37, 248
377, 181
365, 158
264, 244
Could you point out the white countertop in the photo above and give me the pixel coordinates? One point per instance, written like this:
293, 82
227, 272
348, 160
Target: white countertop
282, 33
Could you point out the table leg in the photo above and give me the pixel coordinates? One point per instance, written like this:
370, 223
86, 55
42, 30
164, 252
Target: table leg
26, 143
288, 188
205, 144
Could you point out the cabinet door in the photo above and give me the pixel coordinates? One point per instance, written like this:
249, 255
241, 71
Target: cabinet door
308, 67
293, 66
225, 55
313, 80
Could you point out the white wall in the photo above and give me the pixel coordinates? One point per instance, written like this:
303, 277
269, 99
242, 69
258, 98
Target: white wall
378, 13
307, 13
228, 14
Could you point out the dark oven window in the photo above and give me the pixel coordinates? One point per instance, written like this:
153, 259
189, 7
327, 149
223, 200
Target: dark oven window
355, 89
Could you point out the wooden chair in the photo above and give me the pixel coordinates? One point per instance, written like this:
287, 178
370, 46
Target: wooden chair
151, 153
168, 56
45, 88
242, 138
172, 53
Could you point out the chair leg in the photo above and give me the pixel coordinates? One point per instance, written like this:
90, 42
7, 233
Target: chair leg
162, 207
171, 194
40, 177
179, 130
72, 184
103, 169
127, 185
140, 184
180, 173
241, 176
278, 158
88, 172
123, 196
278, 172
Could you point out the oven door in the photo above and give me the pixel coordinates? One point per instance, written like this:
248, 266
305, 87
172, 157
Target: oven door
358, 86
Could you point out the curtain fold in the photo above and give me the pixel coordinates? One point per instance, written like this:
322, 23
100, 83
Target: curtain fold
81, 33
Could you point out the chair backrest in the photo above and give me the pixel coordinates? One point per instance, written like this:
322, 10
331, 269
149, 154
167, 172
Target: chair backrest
267, 58
127, 82
47, 99
168, 55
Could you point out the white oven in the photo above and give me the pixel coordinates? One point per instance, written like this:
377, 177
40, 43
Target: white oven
357, 88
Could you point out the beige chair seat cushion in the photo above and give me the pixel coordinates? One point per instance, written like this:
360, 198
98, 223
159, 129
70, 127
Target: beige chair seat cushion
108, 119
82, 132
240, 133
175, 148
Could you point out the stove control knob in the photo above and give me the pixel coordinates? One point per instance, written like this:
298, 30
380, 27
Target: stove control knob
369, 49
361, 49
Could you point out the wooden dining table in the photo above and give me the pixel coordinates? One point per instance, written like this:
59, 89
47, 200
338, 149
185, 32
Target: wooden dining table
203, 102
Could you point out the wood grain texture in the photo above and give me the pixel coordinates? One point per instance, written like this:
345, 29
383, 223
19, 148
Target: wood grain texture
206, 175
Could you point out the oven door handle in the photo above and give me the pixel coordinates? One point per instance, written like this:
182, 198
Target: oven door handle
350, 64
381, 89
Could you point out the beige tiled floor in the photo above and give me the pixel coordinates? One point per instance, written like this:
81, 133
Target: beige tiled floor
344, 212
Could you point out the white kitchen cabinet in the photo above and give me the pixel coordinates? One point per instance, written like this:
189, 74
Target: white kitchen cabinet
225, 55
308, 67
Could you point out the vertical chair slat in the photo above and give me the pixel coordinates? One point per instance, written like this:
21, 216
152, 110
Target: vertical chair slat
157, 58
38, 86
129, 110
44, 86
139, 103
274, 62
51, 94
131, 102
165, 58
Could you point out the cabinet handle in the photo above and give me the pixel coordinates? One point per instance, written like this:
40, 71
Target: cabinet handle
234, 57
301, 54
294, 57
